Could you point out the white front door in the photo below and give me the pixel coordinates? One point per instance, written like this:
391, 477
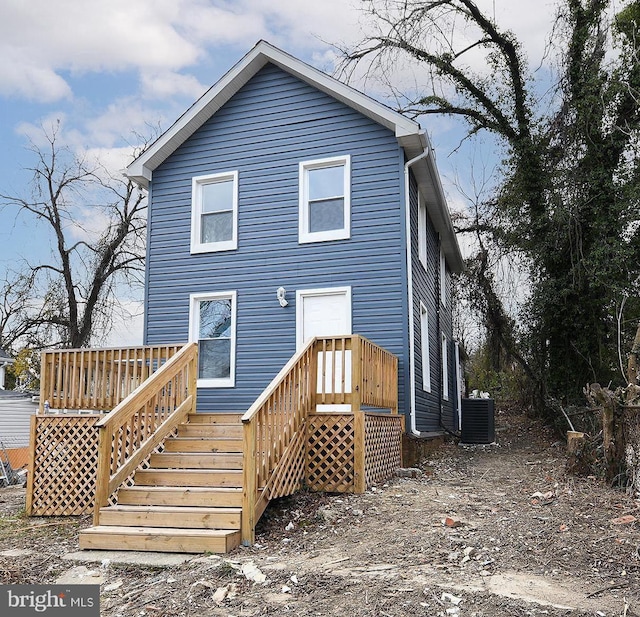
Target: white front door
326, 312
322, 312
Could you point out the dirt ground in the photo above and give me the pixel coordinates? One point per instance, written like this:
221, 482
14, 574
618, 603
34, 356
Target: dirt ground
482, 531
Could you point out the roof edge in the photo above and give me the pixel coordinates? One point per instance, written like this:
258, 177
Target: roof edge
141, 169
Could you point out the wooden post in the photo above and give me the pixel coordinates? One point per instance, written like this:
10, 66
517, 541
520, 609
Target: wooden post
360, 481
313, 375
32, 463
192, 388
44, 381
394, 388
103, 474
249, 484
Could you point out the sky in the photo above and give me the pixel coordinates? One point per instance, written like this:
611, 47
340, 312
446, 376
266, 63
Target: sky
104, 71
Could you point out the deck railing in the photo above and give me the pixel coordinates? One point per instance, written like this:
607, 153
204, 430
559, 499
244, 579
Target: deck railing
97, 379
130, 433
333, 371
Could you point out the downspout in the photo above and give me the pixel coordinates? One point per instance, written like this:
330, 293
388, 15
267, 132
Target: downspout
412, 343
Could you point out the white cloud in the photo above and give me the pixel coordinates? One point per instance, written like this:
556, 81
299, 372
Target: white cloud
46, 44
233, 23
163, 85
23, 77
41, 39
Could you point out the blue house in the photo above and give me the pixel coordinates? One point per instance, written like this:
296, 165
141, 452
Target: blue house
285, 204
298, 312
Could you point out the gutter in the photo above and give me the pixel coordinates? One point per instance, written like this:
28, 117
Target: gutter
412, 344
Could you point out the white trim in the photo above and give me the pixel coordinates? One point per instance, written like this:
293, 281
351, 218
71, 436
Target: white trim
424, 347
445, 368
422, 230
194, 334
196, 213
322, 291
459, 383
304, 235
443, 278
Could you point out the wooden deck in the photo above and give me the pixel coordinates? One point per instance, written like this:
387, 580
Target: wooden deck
163, 478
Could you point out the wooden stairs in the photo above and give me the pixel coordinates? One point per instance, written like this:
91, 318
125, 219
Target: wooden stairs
189, 500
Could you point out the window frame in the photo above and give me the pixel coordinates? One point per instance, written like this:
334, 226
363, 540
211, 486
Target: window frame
305, 236
197, 182
445, 368
422, 231
443, 278
424, 348
194, 335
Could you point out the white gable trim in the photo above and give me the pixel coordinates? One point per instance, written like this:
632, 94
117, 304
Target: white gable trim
142, 168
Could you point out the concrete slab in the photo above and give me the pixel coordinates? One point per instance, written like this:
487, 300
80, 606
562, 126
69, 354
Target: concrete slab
16, 552
80, 575
140, 558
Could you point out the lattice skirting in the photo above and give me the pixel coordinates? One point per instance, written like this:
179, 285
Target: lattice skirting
65, 455
65, 451
383, 439
330, 464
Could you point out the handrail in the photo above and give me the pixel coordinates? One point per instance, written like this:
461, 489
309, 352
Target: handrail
97, 379
130, 433
275, 382
271, 426
341, 370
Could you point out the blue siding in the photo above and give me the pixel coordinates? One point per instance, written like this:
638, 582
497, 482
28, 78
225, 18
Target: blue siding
431, 411
269, 126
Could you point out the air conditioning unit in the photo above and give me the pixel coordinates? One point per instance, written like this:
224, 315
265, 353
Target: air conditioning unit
478, 420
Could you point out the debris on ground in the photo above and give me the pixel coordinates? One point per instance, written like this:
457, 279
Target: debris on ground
480, 532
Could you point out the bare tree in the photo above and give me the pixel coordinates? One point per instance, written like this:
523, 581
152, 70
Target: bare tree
19, 310
96, 222
567, 202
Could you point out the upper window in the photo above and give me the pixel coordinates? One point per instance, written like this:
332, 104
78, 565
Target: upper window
325, 201
422, 231
214, 213
213, 326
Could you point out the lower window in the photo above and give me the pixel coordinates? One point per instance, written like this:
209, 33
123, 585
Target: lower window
212, 323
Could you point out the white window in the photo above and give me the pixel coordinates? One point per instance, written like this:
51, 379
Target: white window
443, 279
325, 200
445, 368
214, 212
424, 340
422, 231
212, 324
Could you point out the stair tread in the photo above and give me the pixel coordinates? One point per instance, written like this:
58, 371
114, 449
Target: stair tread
158, 531
203, 438
194, 470
198, 454
182, 489
173, 509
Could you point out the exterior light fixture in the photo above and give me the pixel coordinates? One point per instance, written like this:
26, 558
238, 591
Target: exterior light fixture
281, 294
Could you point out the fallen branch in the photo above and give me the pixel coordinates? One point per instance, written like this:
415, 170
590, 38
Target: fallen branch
607, 588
